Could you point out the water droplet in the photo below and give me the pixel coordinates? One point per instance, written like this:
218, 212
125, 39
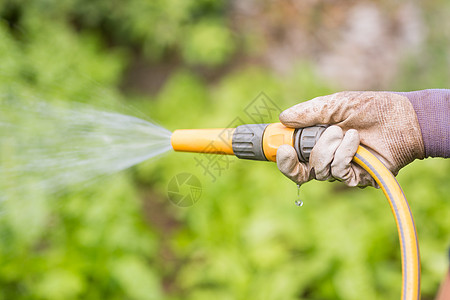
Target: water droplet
298, 202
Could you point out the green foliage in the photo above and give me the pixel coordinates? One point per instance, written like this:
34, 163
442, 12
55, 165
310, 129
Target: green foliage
153, 27
120, 238
208, 43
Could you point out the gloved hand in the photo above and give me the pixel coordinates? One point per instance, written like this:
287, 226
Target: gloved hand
383, 122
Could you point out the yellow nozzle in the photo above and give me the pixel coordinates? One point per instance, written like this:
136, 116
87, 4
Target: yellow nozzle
217, 141
275, 135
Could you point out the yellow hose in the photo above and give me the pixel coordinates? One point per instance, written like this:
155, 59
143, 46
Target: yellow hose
403, 217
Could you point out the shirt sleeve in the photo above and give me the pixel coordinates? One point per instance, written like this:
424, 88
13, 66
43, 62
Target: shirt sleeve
433, 112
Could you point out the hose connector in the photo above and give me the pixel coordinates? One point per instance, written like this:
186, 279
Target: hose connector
305, 139
247, 141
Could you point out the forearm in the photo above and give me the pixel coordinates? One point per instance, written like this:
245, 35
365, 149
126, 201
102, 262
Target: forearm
433, 113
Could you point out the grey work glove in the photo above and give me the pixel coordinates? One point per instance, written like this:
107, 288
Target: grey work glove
383, 122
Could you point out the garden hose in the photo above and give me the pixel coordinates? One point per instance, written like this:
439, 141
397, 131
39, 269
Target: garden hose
261, 141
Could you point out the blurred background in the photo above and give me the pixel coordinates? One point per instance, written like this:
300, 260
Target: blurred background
206, 63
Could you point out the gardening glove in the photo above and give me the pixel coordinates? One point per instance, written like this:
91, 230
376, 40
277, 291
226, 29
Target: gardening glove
385, 123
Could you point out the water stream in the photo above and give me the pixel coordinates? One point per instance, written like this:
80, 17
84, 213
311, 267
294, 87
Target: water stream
54, 146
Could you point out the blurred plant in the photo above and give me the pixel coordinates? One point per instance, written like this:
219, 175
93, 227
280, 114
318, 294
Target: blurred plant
190, 28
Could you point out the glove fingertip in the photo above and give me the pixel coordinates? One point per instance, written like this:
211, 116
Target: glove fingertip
287, 118
287, 160
353, 135
289, 165
296, 116
286, 153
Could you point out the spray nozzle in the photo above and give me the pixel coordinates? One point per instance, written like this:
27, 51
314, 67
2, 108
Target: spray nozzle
251, 141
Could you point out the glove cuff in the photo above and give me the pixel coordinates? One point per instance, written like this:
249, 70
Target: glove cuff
432, 108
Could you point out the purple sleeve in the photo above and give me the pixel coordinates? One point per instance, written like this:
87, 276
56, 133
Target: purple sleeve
433, 112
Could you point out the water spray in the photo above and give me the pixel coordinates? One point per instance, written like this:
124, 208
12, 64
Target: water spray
261, 141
